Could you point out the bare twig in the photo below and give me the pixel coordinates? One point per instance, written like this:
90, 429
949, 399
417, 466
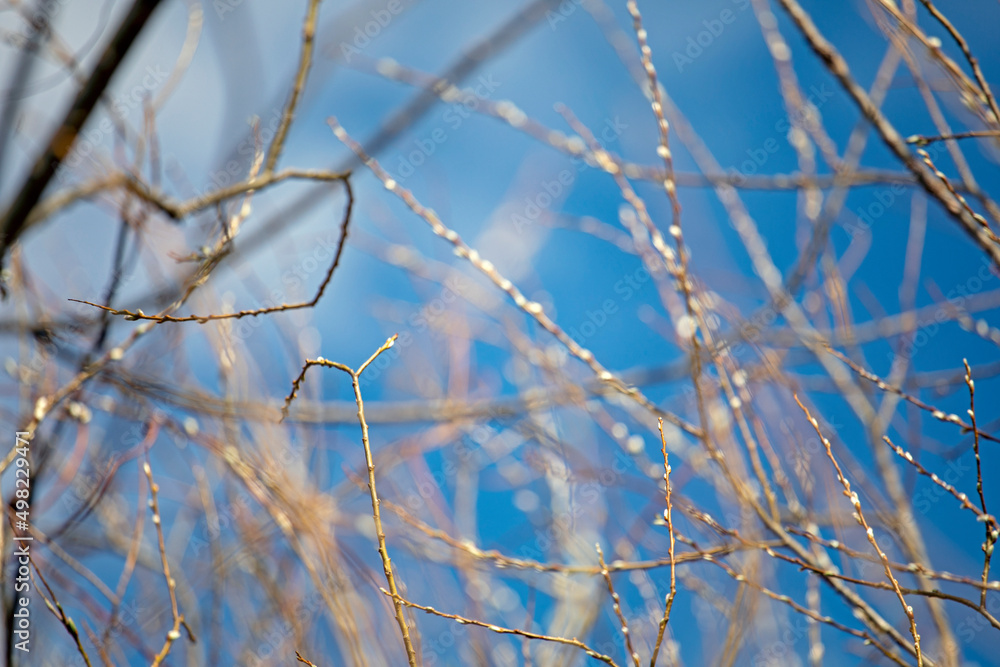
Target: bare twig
510, 631
370, 461
175, 631
202, 319
61, 141
617, 604
668, 517
860, 518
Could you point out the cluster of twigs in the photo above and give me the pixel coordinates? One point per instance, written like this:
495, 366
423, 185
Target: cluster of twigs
263, 545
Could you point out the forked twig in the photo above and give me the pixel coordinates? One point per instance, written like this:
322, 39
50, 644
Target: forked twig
298, 656
411, 655
487, 268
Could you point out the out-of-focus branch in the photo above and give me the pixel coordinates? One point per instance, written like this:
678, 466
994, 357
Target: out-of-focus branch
61, 142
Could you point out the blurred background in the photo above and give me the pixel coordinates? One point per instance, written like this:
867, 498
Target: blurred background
552, 305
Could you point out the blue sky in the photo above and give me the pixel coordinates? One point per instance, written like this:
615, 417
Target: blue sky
519, 202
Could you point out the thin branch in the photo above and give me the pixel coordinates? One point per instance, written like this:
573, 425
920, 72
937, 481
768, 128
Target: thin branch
305, 62
175, 631
202, 319
510, 631
921, 140
860, 518
370, 461
972, 60
837, 66
617, 605
486, 267
992, 531
668, 517
62, 140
